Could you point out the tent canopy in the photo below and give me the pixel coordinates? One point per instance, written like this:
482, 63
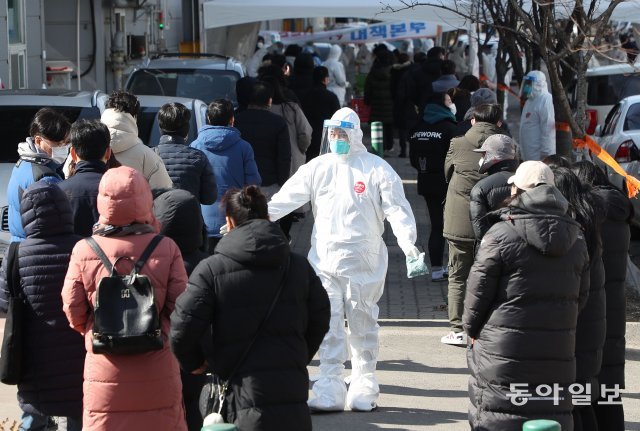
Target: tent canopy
221, 13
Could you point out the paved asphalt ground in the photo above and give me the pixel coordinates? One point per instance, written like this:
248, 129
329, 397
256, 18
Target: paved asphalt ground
423, 382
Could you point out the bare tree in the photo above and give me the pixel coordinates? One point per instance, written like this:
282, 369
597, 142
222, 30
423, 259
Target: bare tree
563, 33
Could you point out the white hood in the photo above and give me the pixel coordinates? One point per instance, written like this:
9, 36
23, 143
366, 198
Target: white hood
123, 129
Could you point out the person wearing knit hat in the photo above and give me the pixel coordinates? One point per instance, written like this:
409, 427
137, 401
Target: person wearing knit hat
482, 96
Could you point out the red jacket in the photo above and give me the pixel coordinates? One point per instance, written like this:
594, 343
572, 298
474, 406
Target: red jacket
134, 391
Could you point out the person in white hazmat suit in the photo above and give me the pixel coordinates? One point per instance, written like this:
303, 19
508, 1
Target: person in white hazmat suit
337, 76
351, 193
537, 122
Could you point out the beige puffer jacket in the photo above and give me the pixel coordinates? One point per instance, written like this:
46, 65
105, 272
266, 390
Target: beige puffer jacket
130, 151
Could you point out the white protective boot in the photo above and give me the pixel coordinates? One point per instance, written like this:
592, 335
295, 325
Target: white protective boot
363, 393
329, 394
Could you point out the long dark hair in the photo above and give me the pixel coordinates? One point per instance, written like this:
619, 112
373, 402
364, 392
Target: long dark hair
274, 76
584, 205
590, 174
246, 204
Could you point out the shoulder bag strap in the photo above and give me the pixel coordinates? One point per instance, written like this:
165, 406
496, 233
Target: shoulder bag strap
103, 257
147, 252
262, 324
13, 270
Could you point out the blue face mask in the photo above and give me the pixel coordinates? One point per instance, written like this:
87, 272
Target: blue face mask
339, 146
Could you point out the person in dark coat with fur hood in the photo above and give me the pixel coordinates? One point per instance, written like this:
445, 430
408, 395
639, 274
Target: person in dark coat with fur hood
499, 162
53, 353
231, 292
529, 281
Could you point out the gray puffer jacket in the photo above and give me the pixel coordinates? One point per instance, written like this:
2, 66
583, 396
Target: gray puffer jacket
524, 292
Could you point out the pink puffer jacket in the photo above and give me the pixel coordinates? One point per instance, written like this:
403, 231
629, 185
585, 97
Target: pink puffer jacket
133, 392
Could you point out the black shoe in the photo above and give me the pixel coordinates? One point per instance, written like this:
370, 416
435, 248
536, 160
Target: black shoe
403, 155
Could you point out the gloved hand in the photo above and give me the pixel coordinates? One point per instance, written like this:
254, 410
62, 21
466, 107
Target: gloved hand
415, 264
413, 252
224, 229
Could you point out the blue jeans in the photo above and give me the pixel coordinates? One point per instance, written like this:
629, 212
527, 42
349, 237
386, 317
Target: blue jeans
35, 422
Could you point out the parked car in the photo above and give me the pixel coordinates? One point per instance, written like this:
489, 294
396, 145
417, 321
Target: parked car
606, 85
620, 137
148, 129
209, 78
17, 109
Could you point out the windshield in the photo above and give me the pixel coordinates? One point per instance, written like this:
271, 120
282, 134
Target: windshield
204, 84
15, 121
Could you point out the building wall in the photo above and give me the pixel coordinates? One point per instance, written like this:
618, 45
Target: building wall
60, 30
4, 45
35, 44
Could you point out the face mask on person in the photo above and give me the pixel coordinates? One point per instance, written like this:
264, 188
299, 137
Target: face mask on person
452, 108
260, 45
339, 146
481, 162
59, 154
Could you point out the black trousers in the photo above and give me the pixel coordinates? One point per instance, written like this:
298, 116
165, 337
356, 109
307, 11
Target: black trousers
609, 417
436, 240
584, 419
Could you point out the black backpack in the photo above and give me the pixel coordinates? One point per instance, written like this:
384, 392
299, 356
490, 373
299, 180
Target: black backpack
126, 320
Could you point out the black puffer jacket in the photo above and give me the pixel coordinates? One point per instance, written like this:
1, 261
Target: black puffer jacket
53, 357
188, 168
592, 320
488, 194
181, 220
524, 292
615, 248
377, 94
232, 291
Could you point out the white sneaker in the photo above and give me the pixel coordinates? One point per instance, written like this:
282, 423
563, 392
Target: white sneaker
438, 274
455, 339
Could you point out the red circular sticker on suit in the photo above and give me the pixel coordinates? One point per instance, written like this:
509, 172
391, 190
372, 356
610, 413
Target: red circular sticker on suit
528, 114
359, 187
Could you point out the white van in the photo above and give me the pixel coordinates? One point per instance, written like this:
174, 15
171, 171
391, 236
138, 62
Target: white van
606, 86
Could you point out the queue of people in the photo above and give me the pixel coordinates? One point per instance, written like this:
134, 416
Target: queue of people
535, 283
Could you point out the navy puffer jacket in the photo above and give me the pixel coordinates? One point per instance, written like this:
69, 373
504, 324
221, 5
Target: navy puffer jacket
53, 364
188, 168
615, 248
525, 289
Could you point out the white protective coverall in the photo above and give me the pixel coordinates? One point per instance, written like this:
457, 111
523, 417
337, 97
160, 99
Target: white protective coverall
537, 122
337, 76
350, 196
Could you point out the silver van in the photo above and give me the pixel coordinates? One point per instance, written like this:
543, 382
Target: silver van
606, 86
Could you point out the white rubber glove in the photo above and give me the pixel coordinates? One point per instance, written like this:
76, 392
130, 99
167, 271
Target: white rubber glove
413, 252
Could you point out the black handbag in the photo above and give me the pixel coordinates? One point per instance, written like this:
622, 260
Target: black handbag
11, 351
214, 392
126, 320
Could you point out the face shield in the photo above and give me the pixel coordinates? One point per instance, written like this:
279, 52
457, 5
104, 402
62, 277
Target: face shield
337, 137
528, 82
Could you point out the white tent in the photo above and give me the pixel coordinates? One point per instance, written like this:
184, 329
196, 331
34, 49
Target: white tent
220, 13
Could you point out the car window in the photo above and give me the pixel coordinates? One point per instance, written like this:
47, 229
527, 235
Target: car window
610, 121
204, 84
600, 91
15, 121
632, 119
146, 120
